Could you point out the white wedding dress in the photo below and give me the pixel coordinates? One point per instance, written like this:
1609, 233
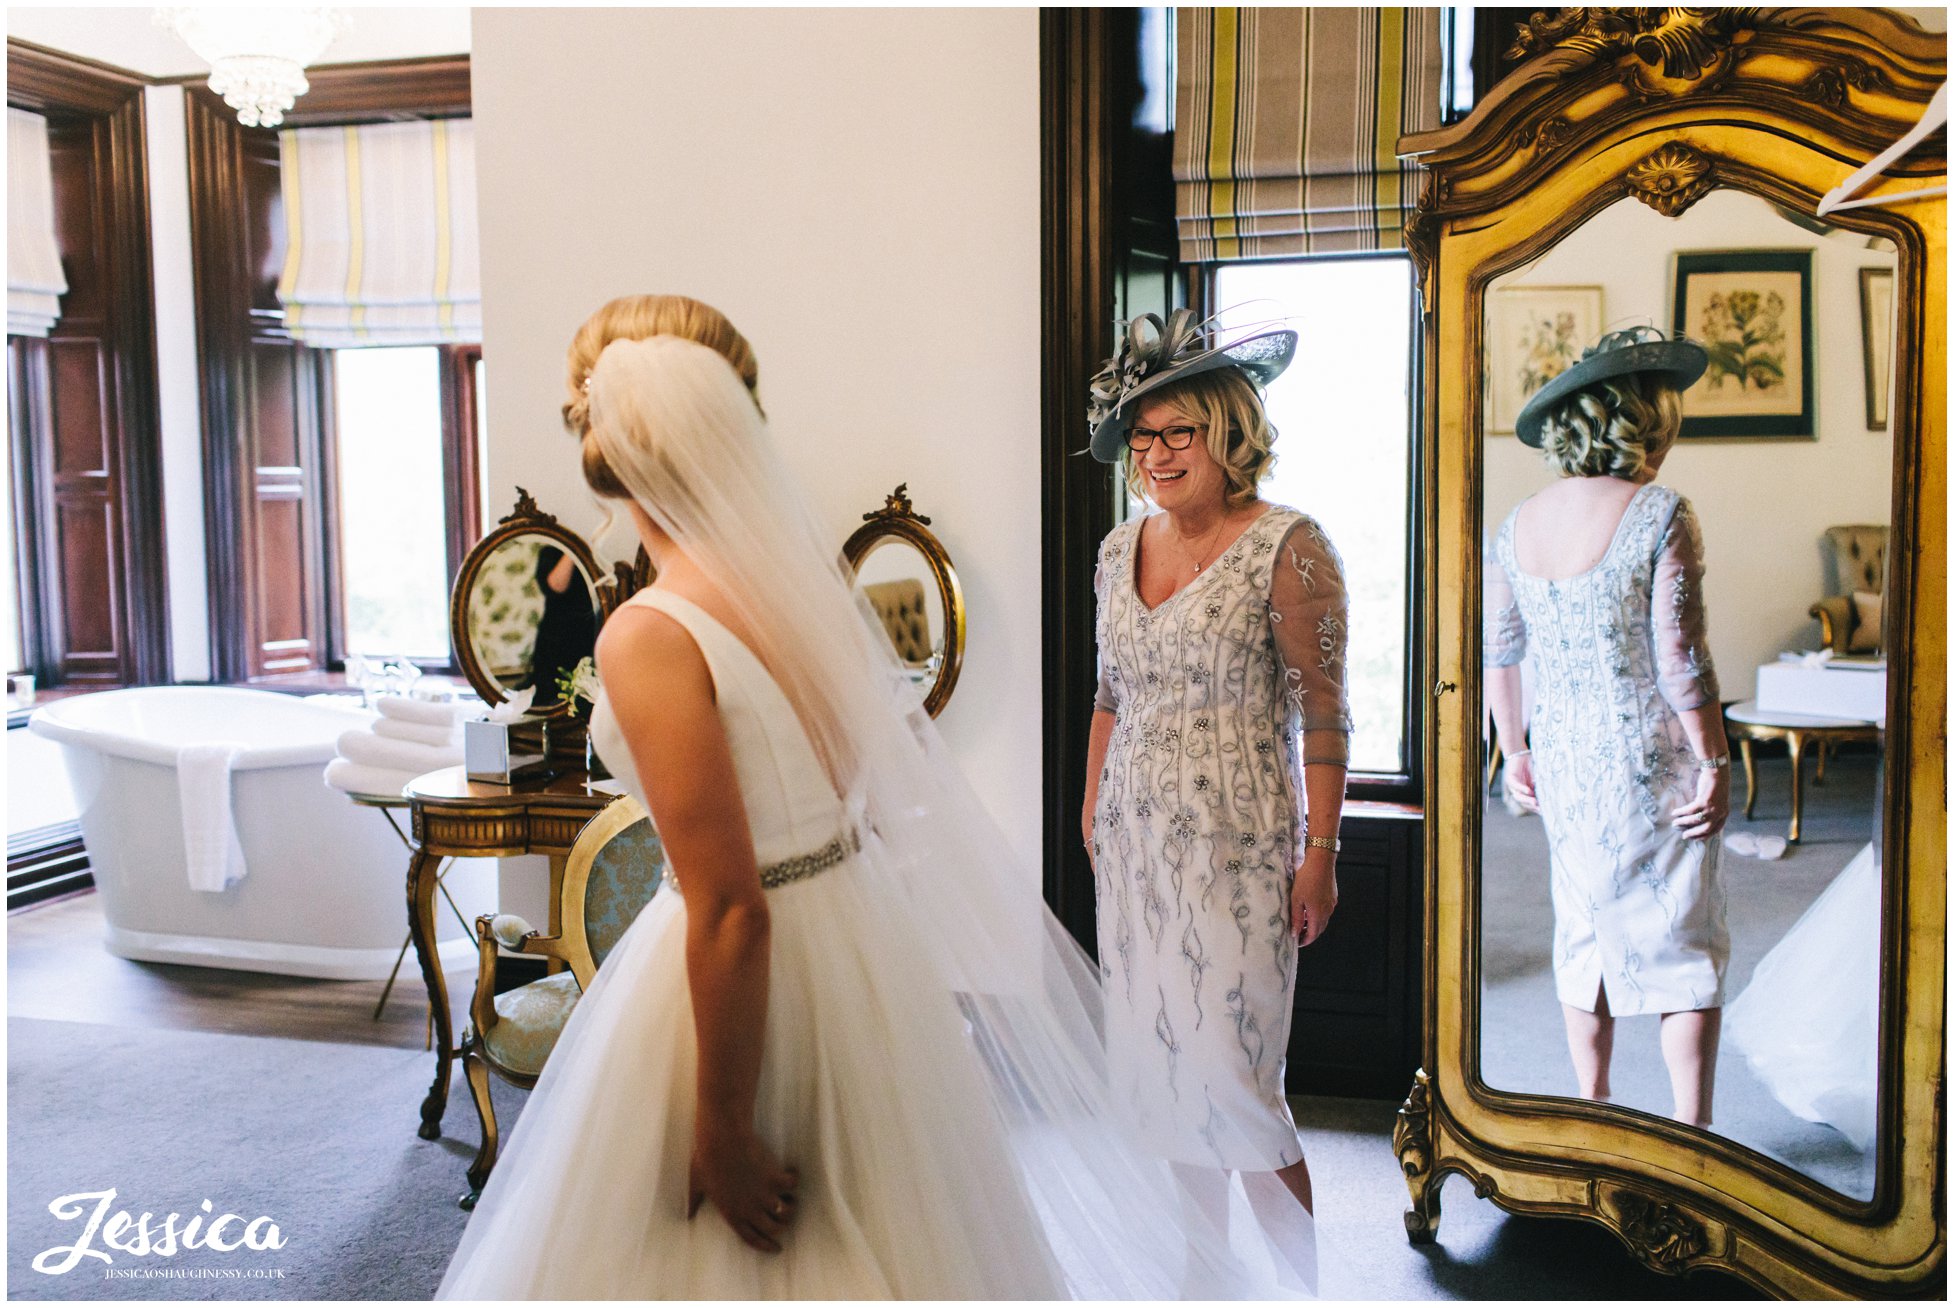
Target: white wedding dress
1808, 1022
911, 1184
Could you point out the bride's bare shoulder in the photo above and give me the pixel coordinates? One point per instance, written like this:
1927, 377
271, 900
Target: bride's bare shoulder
642, 647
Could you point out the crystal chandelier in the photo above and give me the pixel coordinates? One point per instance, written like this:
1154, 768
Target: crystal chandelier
257, 55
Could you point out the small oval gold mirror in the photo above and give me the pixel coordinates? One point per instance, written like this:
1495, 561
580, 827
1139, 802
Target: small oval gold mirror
907, 577
526, 608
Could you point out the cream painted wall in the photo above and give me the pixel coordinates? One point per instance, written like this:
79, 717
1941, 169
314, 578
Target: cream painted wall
1764, 505
858, 190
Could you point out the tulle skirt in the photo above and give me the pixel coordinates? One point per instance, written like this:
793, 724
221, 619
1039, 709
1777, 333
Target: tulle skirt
911, 1185
1808, 1022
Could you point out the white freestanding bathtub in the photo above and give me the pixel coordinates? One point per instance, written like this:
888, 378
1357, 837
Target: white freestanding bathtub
324, 894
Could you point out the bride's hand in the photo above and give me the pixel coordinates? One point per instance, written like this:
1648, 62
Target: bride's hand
747, 1183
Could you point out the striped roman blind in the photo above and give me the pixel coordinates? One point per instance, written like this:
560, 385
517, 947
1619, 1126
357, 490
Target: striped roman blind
382, 242
1286, 126
35, 282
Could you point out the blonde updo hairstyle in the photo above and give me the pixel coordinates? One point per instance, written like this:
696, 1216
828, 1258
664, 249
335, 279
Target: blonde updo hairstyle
1239, 435
1612, 428
637, 318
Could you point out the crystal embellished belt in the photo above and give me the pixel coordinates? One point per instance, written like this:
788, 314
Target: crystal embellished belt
801, 866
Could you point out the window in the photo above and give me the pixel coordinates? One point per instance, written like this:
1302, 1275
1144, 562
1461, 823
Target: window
1342, 414
403, 495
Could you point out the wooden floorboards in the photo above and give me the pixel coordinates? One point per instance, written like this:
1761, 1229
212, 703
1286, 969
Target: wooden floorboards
58, 969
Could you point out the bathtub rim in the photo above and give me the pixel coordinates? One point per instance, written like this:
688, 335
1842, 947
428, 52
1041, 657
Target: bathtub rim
47, 721
281, 958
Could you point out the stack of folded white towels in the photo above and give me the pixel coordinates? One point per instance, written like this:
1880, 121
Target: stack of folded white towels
409, 738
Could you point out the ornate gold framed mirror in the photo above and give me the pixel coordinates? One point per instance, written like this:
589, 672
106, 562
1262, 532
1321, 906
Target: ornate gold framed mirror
1664, 167
907, 577
526, 608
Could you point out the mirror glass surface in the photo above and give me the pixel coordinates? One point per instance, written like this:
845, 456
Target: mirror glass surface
1763, 950
532, 615
899, 585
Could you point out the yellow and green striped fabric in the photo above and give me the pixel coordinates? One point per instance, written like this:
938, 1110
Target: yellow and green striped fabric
1286, 126
381, 241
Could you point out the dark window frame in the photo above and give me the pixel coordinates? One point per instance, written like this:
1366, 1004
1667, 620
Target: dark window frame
238, 314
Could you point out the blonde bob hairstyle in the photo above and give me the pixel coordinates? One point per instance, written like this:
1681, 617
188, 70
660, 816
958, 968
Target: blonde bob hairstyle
636, 318
1613, 428
1239, 436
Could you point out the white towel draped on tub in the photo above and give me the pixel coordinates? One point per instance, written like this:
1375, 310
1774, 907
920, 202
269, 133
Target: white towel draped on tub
211, 852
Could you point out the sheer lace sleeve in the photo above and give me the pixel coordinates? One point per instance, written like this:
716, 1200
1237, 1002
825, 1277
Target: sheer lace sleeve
1506, 630
1309, 609
1684, 672
1104, 701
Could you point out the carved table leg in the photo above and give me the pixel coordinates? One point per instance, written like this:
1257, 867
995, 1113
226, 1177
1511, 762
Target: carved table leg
478, 1085
1750, 777
423, 874
1795, 741
1411, 1140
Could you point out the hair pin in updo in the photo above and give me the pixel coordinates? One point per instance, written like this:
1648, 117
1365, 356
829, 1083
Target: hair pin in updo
586, 380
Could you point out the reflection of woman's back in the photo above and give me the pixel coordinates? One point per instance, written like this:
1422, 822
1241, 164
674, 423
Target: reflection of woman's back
567, 631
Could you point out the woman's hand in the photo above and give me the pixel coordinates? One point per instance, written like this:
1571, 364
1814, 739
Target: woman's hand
1705, 814
746, 1183
1516, 774
1313, 898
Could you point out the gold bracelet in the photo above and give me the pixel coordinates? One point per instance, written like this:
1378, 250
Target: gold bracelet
1330, 843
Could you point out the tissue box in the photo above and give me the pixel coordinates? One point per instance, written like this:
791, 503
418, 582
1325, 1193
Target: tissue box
506, 752
1836, 690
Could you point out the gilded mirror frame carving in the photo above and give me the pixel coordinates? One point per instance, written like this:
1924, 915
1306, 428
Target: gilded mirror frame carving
1663, 105
526, 519
898, 520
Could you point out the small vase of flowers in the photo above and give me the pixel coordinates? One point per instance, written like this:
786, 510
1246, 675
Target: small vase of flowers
580, 686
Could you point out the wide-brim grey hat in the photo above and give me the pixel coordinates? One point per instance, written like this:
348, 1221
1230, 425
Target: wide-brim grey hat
1152, 355
1633, 349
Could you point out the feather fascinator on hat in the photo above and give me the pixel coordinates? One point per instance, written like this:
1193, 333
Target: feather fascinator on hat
1151, 354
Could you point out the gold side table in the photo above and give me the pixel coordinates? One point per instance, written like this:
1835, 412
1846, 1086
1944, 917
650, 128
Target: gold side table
454, 817
1745, 723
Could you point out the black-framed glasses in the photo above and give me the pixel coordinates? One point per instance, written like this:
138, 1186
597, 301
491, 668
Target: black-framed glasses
1140, 439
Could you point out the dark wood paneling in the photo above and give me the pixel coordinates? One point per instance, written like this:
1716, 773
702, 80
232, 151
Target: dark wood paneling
94, 599
1077, 69
262, 409
1358, 1014
384, 91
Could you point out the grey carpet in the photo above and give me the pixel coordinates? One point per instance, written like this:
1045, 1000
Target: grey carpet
1525, 1043
321, 1138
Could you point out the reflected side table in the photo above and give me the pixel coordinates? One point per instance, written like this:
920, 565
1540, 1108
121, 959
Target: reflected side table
1746, 722
454, 817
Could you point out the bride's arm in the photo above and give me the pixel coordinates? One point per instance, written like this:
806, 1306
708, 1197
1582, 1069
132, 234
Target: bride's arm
661, 693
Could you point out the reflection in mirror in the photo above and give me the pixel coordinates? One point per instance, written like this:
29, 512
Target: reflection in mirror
897, 580
532, 616
1633, 629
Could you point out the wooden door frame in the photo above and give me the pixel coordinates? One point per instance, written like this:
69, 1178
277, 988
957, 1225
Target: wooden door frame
51, 83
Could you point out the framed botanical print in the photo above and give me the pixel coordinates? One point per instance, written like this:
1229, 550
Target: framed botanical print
1876, 331
1752, 310
1533, 335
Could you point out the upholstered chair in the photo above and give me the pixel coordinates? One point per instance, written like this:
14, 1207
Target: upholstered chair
1849, 617
613, 870
901, 606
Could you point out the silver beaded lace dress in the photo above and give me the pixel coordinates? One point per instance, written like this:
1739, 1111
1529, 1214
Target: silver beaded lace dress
1618, 652
1198, 829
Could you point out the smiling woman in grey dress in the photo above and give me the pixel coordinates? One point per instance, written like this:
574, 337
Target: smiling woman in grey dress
1222, 627
1598, 581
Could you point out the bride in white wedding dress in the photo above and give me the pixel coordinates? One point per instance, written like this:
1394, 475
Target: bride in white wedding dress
845, 1052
